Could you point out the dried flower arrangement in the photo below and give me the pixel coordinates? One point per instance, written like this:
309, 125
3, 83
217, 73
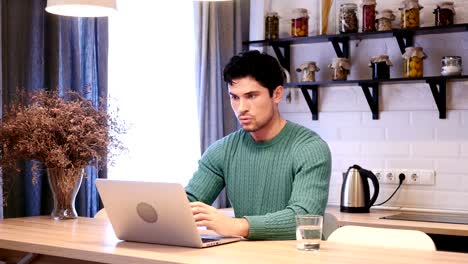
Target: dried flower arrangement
65, 132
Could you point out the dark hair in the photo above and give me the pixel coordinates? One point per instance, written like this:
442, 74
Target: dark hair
264, 68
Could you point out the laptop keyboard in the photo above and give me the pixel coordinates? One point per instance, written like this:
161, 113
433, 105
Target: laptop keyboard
210, 238
205, 240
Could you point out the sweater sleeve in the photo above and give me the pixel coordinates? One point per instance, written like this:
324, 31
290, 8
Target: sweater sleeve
208, 181
312, 169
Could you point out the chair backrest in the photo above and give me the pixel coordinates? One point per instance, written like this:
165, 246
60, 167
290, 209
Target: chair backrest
101, 214
383, 237
330, 224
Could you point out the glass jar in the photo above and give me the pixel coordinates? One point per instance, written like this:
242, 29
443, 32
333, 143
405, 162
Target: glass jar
368, 15
451, 65
384, 20
410, 14
380, 67
271, 25
348, 21
339, 69
308, 70
413, 62
444, 14
300, 23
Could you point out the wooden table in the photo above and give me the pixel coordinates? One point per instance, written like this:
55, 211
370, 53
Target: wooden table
88, 240
373, 219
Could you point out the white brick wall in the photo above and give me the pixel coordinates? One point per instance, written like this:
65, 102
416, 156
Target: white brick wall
409, 133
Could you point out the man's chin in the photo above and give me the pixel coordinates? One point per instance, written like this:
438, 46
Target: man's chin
249, 128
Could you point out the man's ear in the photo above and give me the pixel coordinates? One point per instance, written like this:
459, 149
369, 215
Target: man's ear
278, 94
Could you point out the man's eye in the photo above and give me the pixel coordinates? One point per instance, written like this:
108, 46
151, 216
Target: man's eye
252, 96
233, 97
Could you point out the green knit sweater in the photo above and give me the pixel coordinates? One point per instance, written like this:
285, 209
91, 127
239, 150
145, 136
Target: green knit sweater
268, 182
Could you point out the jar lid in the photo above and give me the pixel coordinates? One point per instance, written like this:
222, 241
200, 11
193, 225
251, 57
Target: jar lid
381, 58
348, 5
410, 4
340, 62
310, 65
369, 2
386, 13
272, 14
446, 5
451, 58
414, 52
299, 12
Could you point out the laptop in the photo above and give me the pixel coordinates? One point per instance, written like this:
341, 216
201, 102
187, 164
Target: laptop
153, 212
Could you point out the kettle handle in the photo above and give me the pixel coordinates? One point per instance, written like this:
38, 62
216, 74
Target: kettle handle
375, 182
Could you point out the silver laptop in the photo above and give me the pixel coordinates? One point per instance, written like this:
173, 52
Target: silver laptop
153, 212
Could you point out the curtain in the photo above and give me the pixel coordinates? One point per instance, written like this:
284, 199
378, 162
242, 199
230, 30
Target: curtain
220, 28
46, 51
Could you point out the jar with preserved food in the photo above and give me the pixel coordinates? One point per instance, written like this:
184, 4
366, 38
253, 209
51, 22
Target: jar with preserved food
368, 15
271, 25
340, 69
444, 14
384, 20
308, 70
410, 14
413, 62
451, 65
348, 21
300, 23
380, 67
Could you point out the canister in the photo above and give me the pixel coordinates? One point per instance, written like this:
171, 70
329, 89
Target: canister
384, 20
410, 14
444, 14
300, 23
380, 67
413, 62
339, 69
308, 70
271, 25
451, 65
348, 21
368, 15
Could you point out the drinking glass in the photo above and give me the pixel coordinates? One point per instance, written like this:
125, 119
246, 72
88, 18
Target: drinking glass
308, 232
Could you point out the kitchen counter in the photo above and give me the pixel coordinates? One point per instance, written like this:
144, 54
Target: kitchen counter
373, 219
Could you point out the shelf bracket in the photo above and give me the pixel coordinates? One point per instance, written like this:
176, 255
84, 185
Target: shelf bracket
283, 57
404, 39
440, 94
372, 99
312, 102
341, 51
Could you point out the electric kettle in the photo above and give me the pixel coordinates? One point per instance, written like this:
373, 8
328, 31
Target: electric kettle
355, 193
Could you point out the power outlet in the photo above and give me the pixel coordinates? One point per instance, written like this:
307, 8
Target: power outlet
412, 176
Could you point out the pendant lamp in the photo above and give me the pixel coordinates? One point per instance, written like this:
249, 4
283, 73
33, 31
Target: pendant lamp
82, 8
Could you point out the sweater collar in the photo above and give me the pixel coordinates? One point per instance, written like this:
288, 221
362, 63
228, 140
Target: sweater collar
263, 144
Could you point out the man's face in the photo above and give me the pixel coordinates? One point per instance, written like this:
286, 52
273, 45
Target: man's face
252, 103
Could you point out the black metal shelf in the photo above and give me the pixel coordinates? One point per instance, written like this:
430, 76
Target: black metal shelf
340, 43
404, 39
370, 88
359, 36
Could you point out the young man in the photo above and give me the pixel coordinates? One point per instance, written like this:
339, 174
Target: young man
272, 169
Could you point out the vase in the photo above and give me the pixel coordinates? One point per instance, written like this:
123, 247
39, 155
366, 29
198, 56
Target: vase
64, 184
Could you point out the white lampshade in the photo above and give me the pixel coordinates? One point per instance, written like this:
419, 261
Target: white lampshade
81, 8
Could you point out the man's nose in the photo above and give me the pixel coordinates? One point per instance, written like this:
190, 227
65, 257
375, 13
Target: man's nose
243, 105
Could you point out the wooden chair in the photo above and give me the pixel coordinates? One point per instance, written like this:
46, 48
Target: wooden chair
330, 224
383, 237
101, 214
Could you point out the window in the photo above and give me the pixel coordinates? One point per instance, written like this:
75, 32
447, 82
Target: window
152, 82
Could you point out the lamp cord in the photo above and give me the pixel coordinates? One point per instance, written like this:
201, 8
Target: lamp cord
402, 178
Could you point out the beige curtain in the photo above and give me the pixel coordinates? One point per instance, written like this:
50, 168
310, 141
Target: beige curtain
220, 28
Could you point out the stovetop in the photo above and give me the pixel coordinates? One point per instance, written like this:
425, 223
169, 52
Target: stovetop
439, 218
